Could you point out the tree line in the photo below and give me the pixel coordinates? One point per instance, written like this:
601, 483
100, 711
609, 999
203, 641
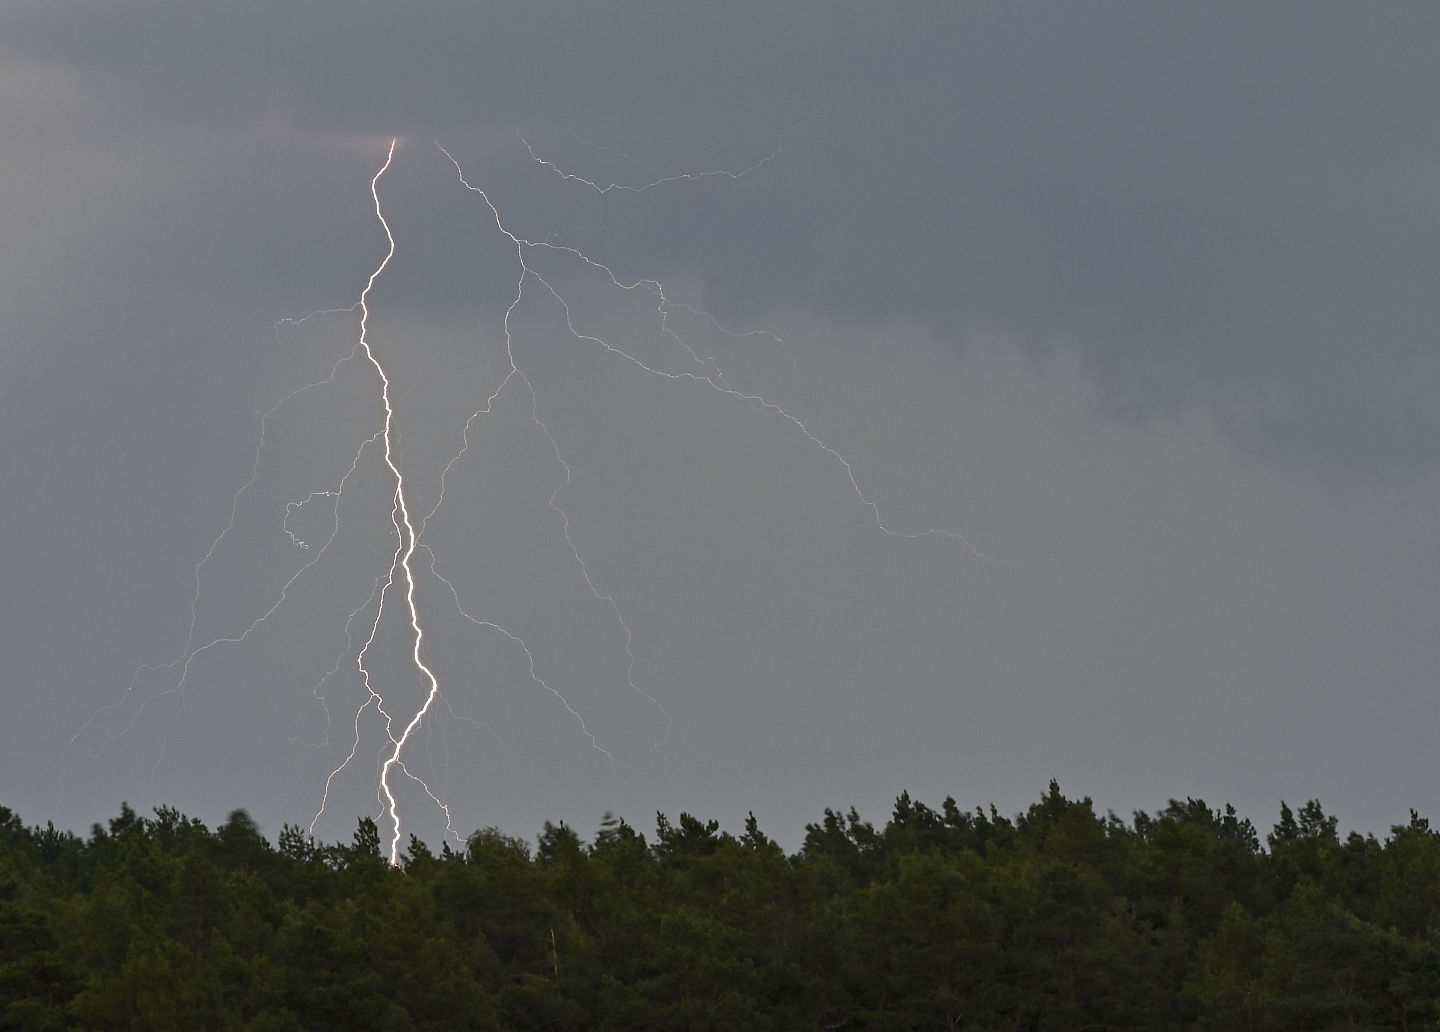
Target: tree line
1057, 918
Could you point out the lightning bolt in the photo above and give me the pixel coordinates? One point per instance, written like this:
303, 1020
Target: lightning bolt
397, 586
405, 553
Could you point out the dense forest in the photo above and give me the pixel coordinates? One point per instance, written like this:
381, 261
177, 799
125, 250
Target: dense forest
1058, 918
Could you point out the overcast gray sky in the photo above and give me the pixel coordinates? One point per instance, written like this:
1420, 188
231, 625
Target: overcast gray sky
1130, 304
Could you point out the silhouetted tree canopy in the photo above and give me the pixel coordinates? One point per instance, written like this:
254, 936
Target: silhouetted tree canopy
1058, 918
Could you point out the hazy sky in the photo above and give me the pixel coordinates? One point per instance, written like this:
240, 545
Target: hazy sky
928, 397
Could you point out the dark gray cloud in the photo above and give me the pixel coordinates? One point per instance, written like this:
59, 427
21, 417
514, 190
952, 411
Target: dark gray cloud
1208, 203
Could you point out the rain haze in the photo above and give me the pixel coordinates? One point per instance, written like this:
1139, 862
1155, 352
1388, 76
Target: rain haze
797, 404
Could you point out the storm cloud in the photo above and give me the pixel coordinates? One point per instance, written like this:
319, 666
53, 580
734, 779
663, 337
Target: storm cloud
1136, 298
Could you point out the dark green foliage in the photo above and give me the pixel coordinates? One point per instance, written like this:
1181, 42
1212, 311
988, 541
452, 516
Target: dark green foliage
943, 919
